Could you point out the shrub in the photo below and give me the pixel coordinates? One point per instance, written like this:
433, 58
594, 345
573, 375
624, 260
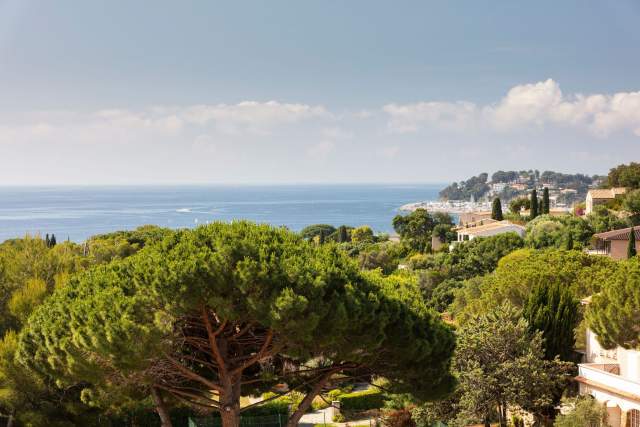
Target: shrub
398, 418
278, 406
586, 412
361, 400
319, 403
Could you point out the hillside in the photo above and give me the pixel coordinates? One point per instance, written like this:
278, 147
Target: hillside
566, 189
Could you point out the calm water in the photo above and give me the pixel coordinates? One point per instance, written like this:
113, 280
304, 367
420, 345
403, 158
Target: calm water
80, 212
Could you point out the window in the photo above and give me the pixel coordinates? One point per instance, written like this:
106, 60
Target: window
634, 418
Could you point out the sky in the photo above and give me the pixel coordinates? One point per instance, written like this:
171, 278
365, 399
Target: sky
121, 92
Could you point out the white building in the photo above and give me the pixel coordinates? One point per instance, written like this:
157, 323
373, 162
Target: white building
491, 229
612, 377
602, 196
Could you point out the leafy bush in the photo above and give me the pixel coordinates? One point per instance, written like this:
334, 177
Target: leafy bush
315, 230
278, 406
586, 412
554, 231
361, 400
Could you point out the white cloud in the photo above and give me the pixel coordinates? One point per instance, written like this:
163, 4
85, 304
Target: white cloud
534, 105
251, 116
441, 115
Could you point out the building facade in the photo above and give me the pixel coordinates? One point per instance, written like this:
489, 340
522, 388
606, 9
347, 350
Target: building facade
612, 377
614, 243
491, 229
602, 196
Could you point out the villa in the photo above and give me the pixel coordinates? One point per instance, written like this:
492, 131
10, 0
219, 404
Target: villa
490, 229
465, 218
612, 377
601, 196
614, 243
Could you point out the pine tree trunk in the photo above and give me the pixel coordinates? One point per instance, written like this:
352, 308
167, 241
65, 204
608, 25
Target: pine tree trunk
230, 418
230, 403
161, 409
502, 409
294, 419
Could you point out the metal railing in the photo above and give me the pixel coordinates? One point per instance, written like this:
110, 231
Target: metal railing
277, 420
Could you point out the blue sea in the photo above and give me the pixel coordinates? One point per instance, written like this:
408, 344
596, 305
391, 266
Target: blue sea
77, 213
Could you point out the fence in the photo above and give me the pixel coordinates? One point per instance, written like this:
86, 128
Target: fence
277, 420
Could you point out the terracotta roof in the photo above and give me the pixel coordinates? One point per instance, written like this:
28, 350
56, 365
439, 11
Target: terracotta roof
487, 227
477, 223
621, 234
607, 193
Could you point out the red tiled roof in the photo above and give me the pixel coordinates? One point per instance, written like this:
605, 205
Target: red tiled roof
621, 234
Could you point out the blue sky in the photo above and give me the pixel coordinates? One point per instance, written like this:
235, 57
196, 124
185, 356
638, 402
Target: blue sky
300, 91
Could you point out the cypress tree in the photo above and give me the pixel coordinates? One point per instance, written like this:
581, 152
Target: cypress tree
342, 235
545, 201
52, 241
569, 242
496, 209
534, 204
47, 241
552, 310
631, 249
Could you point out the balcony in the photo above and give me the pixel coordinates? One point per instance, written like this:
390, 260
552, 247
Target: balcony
606, 377
603, 252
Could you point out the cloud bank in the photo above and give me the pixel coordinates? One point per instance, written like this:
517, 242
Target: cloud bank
536, 105
266, 141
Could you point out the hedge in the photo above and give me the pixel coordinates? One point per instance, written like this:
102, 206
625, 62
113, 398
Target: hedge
361, 400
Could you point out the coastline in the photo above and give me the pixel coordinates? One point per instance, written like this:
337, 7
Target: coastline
449, 206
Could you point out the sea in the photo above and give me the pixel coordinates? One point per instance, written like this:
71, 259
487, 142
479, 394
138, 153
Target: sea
76, 213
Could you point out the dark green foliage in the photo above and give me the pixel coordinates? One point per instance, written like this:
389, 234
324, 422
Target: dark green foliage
516, 205
534, 204
385, 256
415, 229
475, 187
545, 201
502, 176
569, 241
522, 270
631, 247
314, 230
480, 255
577, 181
602, 219
614, 312
631, 204
440, 275
586, 411
500, 363
496, 209
311, 299
552, 231
362, 400
552, 310
625, 176
343, 234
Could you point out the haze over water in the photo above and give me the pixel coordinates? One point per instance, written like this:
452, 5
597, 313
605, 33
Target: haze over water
80, 212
